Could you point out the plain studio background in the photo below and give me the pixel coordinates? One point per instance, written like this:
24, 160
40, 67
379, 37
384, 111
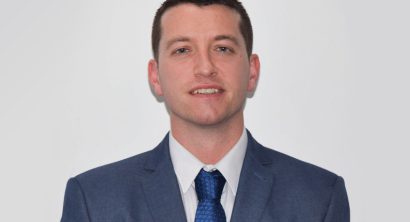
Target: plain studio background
74, 95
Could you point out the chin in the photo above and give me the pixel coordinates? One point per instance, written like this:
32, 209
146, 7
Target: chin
209, 120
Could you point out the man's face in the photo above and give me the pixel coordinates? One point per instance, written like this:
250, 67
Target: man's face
203, 71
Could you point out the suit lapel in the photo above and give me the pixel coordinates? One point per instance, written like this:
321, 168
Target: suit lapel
161, 187
255, 185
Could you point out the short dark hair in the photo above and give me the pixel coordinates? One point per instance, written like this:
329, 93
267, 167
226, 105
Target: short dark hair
245, 25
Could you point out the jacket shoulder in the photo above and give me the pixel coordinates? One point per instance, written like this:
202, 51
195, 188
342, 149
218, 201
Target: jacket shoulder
116, 186
293, 171
132, 165
302, 187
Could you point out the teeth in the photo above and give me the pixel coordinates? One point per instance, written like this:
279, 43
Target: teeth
205, 91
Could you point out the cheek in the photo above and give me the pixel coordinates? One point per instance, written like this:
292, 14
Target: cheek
171, 80
242, 75
173, 70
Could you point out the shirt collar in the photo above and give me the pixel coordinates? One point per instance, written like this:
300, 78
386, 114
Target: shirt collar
187, 166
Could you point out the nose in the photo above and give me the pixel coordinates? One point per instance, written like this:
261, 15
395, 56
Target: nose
204, 65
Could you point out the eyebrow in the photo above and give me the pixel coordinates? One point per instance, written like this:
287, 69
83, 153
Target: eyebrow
227, 37
231, 38
175, 40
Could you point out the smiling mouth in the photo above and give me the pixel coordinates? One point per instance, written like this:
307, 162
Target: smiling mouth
207, 91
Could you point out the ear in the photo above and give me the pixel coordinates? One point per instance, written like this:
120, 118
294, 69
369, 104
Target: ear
254, 69
153, 77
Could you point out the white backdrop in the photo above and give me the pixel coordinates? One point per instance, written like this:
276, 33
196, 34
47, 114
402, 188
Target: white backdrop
74, 95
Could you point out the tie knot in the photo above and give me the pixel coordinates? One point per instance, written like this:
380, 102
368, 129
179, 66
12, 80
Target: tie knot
209, 185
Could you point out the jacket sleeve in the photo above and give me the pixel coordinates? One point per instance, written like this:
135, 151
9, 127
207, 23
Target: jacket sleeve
75, 206
338, 210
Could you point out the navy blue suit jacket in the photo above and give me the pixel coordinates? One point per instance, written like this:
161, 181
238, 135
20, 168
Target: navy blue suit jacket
272, 187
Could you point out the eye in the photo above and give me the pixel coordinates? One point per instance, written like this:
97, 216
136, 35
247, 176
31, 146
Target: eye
224, 49
181, 51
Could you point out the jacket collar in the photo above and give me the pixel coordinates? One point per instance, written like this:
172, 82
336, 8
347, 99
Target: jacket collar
163, 194
161, 186
255, 184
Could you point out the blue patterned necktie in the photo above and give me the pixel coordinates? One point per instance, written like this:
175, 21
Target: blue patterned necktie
209, 186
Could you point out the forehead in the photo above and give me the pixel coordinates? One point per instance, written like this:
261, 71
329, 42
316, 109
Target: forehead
192, 20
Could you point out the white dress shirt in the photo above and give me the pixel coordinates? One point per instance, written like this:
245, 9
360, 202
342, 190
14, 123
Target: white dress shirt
187, 167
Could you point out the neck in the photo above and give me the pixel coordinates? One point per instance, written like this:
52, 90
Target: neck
208, 143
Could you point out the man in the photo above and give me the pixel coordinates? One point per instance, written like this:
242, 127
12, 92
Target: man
208, 168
